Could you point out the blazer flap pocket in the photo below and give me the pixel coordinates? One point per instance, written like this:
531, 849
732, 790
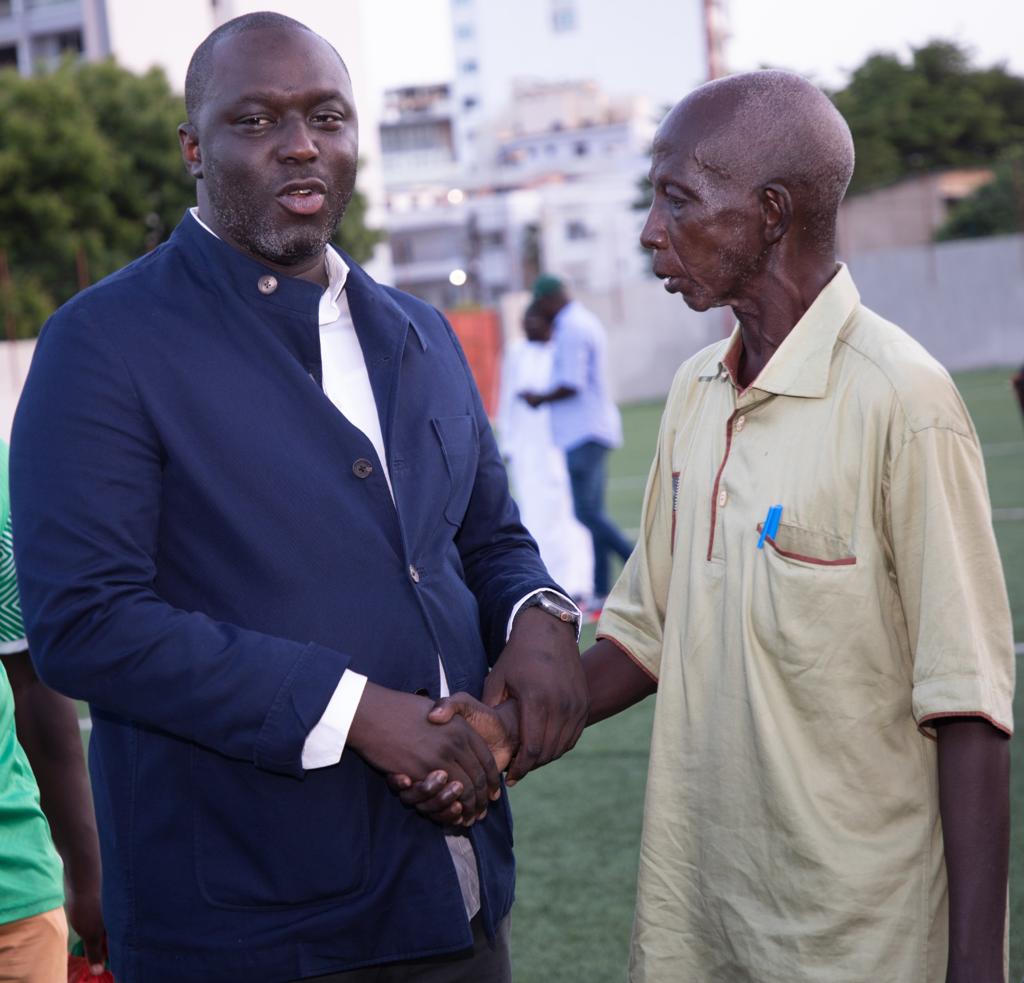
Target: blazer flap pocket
458, 438
457, 435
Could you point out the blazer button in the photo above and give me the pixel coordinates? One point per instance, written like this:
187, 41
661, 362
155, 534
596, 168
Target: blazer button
362, 468
266, 284
414, 574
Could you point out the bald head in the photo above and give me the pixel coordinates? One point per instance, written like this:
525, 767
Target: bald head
768, 127
200, 67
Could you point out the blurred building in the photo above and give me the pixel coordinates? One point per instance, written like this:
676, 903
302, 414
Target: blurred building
908, 213
555, 189
37, 34
531, 157
659, 49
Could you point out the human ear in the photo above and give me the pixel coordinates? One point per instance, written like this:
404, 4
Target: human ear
188, 138
776, 211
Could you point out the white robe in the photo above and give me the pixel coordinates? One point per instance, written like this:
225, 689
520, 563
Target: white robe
537, 469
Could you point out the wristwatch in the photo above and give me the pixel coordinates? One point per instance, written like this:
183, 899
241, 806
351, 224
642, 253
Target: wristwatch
557, 606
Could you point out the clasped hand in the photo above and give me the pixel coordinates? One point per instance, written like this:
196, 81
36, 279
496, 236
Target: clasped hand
441, 796
534, 708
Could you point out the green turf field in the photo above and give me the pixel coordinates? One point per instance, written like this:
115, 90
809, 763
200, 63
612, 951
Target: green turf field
578, 821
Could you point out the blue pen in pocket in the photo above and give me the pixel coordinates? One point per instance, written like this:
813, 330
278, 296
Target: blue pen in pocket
770, 526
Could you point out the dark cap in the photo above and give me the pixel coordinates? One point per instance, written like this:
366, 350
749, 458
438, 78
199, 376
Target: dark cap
545, 285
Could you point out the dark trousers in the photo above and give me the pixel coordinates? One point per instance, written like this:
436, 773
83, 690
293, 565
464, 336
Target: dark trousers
588, 474
488, 962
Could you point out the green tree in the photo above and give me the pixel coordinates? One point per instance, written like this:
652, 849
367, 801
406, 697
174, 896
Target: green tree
90, 178
354, 235
935, 112
996, 208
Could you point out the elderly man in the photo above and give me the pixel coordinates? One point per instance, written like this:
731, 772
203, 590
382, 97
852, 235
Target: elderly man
827, 797
261, 525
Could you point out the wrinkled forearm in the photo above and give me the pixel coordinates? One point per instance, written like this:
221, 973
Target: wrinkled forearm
974, 771
615, 681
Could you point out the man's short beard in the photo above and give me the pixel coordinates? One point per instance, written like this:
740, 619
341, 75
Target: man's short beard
236, 214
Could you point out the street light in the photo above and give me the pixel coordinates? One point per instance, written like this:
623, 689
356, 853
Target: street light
457, 278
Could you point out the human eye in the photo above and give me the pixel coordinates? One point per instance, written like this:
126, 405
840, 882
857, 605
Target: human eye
328, 118
254, 121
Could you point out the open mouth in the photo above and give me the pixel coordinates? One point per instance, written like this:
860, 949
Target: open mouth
302, 199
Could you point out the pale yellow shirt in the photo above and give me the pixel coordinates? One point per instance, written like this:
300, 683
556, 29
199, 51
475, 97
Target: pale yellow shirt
791, 829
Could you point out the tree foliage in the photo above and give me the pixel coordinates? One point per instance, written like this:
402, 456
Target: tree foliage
996, 208
935, 112
90, 178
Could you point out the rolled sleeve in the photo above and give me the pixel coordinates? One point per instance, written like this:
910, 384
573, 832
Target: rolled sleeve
950, 580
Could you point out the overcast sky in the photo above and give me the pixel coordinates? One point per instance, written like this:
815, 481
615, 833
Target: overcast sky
822, 39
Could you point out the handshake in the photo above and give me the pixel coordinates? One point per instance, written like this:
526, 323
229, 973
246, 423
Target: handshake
445, 759
439, 796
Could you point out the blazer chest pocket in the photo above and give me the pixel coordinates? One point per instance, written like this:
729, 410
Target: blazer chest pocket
460, 449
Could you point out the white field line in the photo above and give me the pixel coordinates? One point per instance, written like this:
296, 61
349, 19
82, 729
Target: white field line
1008, 515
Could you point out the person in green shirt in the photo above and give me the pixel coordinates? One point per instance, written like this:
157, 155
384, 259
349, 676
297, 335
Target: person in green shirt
42, 778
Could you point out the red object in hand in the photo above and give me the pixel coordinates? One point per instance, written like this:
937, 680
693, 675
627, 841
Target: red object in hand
79, 972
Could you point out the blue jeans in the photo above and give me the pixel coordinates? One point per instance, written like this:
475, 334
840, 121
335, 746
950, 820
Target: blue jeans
587, 474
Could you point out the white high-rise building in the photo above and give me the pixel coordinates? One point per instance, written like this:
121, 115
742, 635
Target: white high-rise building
658, 49
37, 34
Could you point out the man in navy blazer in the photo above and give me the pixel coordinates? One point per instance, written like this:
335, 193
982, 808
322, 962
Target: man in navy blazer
261, 526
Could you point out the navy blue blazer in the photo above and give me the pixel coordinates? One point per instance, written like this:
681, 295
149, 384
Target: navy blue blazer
200, 558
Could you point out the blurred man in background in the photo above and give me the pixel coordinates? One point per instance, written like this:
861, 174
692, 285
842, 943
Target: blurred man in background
540, 480
584, 420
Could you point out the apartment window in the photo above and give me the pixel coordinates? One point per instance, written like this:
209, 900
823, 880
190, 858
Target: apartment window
469, 102
468, 67
464, 32
9, 56
563, 16
581, 149
5, 8
576, 230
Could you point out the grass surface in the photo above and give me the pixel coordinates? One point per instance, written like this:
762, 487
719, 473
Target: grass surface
578, 820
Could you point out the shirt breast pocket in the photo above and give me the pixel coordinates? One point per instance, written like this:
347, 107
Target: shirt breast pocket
461, 451
807, 594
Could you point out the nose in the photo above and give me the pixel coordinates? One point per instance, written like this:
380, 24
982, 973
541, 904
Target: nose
297, 143
652, 235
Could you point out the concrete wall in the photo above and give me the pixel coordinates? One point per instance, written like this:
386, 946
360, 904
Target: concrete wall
964, 300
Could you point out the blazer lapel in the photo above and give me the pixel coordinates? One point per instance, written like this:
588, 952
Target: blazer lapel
381, 327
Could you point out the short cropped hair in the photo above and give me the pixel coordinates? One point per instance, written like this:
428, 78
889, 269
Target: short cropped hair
200, 67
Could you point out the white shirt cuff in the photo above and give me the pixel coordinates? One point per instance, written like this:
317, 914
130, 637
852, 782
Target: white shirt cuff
553, 593
326, 741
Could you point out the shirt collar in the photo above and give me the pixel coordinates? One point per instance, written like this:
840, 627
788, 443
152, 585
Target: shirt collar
337, 268
800, 365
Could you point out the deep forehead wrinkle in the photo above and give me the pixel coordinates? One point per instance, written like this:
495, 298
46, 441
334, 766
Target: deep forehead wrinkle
701, 157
